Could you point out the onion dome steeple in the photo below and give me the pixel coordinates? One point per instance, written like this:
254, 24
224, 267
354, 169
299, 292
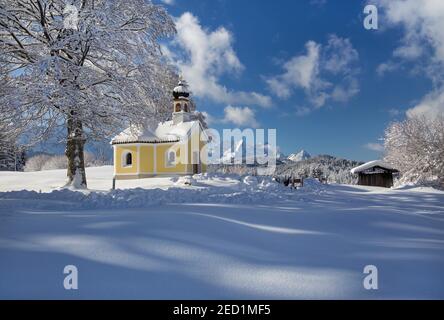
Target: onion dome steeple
182, 103
181, 91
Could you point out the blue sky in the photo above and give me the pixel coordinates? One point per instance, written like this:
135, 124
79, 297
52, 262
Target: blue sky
308, 68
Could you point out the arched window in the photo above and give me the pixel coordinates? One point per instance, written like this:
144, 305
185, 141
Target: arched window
177, 109
185, 108
128, 160
170, 158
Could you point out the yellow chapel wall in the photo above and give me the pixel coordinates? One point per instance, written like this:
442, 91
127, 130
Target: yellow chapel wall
161, 159
147, 159
119, 151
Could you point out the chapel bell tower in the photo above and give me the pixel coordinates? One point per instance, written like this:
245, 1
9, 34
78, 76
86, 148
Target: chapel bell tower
181, 103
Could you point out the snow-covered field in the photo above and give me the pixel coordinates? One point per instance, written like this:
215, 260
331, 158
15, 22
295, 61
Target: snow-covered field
222, 237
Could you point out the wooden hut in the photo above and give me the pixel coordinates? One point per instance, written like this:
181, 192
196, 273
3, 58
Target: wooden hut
375, 173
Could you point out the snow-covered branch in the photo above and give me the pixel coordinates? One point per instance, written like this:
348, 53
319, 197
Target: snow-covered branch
415, 146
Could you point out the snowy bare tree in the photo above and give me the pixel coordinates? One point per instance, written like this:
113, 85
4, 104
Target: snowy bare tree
85, 65
35, 163
12, 156
415, 146
200, 116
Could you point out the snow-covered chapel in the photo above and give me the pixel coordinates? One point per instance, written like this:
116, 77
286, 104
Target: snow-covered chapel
171, 148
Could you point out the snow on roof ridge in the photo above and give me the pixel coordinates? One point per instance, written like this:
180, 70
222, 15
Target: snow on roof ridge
371, 164
134, 132
165, 131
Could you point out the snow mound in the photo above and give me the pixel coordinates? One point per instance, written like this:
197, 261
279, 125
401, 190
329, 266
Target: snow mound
247, 189
250, 180
185, 181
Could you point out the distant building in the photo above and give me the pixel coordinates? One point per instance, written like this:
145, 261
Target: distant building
170, 148
375, 173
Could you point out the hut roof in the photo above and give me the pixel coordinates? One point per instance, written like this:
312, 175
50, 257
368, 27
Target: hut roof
371, 164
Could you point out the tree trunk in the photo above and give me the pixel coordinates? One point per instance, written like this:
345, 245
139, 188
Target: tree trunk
74, 152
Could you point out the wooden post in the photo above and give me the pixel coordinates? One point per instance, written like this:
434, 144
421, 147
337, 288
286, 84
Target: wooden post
114, 183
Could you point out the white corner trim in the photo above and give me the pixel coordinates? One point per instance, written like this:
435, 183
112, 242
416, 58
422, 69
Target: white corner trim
139, 158
155, 159
114, 159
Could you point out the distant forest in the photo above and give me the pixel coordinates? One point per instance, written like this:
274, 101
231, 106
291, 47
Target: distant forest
333, 169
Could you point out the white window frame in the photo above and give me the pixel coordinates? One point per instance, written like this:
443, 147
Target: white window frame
168, 163
124, 155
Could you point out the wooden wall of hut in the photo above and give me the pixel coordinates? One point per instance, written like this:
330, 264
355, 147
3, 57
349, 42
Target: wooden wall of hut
376, 180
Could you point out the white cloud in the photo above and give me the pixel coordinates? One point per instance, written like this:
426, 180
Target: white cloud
203, 56
374, 146
431, 105
423, 24
422, 44
301, 71
279, 88
325, 72
169, 2
345, 91
302, 111
385, 67
242, 117
209, 119
410, 51
339, 55
393, 112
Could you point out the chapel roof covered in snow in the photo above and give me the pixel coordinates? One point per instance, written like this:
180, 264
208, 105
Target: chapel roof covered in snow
164, 132
372, 164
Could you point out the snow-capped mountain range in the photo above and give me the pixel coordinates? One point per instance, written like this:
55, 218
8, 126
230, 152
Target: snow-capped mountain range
244, 151
301, 155
247, 152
